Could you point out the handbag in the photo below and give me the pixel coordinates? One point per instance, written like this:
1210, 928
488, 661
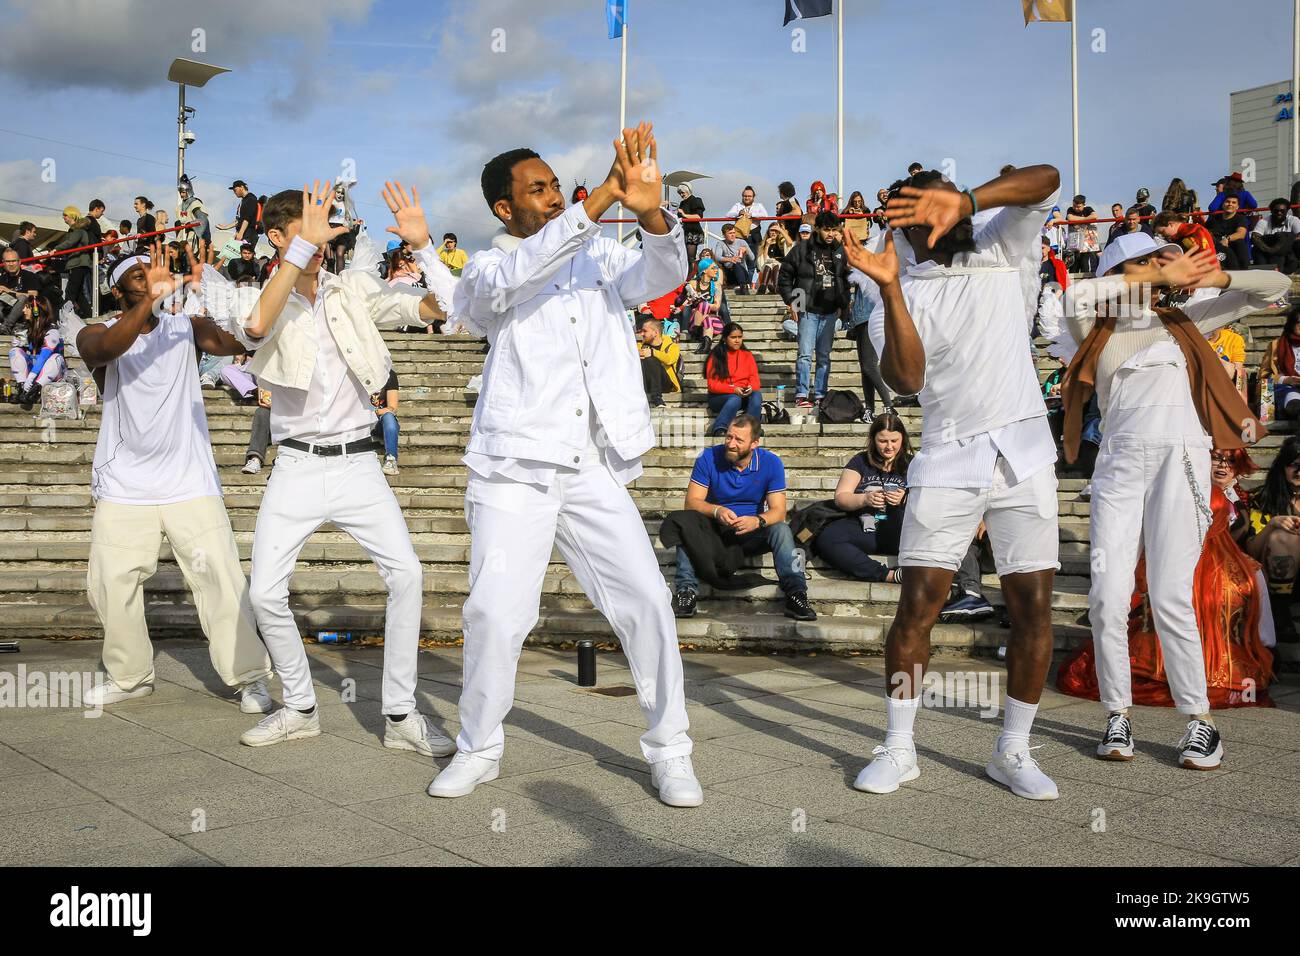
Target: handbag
60, 400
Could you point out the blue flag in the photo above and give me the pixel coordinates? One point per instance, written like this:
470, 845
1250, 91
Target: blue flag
806, 10
615, 17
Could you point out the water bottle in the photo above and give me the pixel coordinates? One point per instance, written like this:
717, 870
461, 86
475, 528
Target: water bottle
780, 397
334, 637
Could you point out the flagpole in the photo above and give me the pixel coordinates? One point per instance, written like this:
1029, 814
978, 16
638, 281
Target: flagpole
1074, 87
839, 100
1295, 91
622, 105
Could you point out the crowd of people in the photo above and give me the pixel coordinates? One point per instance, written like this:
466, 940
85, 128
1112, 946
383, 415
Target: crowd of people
1160, 391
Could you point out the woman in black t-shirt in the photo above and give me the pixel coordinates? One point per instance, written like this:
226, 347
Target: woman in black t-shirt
872, 491
146, 223
692, 232
788, 206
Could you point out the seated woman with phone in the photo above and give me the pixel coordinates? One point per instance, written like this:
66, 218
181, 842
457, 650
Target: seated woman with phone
732, 374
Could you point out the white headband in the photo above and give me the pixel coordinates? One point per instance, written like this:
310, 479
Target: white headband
121, 268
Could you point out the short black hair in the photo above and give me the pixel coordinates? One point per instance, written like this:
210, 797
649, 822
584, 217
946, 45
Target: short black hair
95, 204
750, 189
247, 247
1080, 198
917, 166
827, 220
143, 199
25, 226
499, 172
786, 189
451, 236
282, 209
645, 318
961, 237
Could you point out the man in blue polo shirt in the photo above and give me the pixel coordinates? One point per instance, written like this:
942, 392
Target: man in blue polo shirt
740, 489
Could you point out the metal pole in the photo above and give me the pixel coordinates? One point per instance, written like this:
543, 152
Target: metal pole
180, 146
94, 281
622, 105
1074, 89
1295, 90
839, 102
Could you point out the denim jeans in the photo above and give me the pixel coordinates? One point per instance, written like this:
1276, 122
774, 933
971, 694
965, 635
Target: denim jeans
816, 332
388, 423
776, 538
727, 407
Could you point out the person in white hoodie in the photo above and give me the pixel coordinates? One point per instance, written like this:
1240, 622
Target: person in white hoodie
1165, 402
556, 436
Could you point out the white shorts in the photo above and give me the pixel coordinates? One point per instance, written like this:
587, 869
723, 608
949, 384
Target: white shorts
1021, 518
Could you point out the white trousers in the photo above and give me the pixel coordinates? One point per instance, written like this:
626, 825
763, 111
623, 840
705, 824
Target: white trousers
591, 518
304, 492
1153, 494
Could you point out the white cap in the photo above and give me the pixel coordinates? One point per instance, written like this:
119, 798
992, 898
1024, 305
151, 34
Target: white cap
1131, 245
805, 228
121, 268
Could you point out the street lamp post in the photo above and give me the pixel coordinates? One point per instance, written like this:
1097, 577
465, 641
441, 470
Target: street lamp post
187, 73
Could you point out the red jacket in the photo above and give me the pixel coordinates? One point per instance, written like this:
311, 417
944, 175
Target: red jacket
743, 369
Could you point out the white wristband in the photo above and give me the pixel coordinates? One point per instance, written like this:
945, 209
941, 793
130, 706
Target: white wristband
299, 253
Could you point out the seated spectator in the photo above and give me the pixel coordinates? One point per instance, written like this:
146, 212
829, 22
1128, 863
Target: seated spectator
1229, 227
814, 283
452, 256
260, 435
770, 255
1273, 535
1274, 237
402, 267
735, 508
1231, 349
14, 277
732, 374
859, 229
660, 356
1117, 227
239, 380
701, 303
788, 206
871, 493
736, 259
245, 267
820, 201
1280, 363
1192, 236
36, 358
386, 428
746, 212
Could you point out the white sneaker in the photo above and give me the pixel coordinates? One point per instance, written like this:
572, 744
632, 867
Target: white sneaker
1086, 493
253, 698
1021, 773
285, 724
417, 733
109, 693
674, 778
390, 465
1200, 748
463, 774
207, 380
889, 767
252, 466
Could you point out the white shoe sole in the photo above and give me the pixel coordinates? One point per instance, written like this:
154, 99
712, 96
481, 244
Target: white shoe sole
144, 690
907, 777
1203, 763
251, 705
694, 801
1114, 753
992, 770
464, 791
296, 735
401, 743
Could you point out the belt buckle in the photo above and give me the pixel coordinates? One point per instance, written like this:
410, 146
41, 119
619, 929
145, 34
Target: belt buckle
327, 451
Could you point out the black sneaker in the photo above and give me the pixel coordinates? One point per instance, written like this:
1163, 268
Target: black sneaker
684, 603
1117, 744
797, 607
1200, 748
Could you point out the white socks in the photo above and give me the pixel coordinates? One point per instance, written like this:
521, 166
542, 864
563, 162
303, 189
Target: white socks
901, 715
1017, 719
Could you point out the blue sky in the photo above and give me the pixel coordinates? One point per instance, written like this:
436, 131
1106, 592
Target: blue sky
415, 90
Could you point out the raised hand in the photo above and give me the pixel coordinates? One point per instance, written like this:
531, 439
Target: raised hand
881, 267
411, 226
316, 206
1188, 271
638, 170
938, 208
158, 275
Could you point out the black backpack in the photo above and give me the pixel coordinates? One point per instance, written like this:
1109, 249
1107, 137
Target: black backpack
774, 414
840, 407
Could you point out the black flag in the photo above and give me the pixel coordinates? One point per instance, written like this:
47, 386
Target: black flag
806, 10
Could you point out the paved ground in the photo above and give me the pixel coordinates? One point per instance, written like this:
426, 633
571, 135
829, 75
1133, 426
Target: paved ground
164, 781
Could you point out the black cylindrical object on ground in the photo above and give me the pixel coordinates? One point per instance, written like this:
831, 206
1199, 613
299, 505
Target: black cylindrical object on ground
586, 664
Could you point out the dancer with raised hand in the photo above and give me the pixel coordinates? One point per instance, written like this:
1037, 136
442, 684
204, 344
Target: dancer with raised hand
154, 475
1165, 403
556, 435
320, 354
951, 328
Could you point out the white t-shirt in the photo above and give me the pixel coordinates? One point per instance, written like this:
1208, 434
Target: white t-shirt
153, 446
1265, 226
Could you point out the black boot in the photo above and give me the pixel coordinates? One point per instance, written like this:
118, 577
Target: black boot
29, 397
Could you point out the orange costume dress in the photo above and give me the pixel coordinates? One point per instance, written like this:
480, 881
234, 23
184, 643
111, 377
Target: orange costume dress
1228, 601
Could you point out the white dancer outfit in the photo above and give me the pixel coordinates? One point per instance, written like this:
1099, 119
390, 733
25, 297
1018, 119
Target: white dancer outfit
154, 474
556, 435
1151, 485
321, 361
987, 453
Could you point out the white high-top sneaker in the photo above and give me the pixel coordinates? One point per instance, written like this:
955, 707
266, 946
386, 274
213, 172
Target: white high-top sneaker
674, 778
463, 774
285, 724
417, 733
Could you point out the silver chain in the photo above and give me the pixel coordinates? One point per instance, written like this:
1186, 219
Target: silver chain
1201, 507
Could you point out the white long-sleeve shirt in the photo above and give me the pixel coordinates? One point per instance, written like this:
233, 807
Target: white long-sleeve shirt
553, 307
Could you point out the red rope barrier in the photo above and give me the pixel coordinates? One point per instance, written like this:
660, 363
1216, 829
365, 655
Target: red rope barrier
108, 242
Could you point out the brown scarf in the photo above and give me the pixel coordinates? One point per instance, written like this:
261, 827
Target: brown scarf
1218, 404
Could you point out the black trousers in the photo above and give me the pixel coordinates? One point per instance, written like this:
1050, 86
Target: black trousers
655, 378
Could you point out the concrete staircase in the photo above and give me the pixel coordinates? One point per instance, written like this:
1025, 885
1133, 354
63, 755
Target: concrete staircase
46, 509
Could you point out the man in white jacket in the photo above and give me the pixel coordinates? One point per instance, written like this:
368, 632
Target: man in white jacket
320, 354
557, 433
1163, 395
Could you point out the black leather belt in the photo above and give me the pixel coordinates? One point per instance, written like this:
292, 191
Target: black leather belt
330, 451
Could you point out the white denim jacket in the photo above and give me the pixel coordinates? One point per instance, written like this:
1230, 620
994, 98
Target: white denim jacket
554, 308
357, 303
